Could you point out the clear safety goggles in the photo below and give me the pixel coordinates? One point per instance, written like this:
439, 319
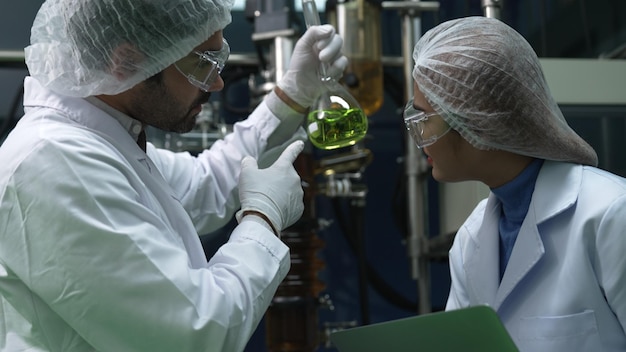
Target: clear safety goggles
424, 128
203, 68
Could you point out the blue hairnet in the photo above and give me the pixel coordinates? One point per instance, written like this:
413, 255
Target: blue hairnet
90, 47
486, 81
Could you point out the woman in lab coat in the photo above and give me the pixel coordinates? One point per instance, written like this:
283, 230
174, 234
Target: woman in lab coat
547, 248
99, 246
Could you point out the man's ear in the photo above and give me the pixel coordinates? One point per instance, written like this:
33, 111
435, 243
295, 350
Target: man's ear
124, 61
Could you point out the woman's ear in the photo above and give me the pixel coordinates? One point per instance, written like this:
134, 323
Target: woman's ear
124, 61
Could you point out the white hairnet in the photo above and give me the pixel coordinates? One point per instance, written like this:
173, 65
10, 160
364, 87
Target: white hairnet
486, 81
90, 47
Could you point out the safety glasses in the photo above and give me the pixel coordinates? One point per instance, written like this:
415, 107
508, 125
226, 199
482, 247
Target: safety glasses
203, 68
424, 128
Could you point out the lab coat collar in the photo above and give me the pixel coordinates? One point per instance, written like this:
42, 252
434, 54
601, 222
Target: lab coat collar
527, 252
482, 265
131, 125
556, 190
87, 114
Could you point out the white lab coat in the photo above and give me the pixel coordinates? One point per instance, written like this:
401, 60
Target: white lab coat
564, 288
99, 247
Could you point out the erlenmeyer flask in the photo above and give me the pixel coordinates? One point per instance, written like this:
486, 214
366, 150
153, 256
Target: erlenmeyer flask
336, 119
358, 23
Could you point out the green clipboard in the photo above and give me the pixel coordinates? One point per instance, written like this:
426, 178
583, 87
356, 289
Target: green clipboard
473, 329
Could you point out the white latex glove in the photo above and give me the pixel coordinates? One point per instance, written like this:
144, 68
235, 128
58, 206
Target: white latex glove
275, 192
318, 44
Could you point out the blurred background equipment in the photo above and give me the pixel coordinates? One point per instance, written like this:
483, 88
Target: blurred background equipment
372, 243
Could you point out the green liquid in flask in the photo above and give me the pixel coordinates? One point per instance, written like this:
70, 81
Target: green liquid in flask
336, 128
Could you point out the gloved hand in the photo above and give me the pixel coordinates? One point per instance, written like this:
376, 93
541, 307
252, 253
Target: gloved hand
276, 191
318, 44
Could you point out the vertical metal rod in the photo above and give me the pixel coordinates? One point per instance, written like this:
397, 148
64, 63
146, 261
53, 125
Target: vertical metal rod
283, 47
491, 8
415, 189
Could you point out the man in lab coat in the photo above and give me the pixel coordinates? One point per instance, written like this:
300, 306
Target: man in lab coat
547, 248
99, 246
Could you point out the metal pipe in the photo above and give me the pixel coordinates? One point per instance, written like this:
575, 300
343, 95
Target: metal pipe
414, 160
492, 8
415, 196
414, 188
235, 59
283, 47
11, 56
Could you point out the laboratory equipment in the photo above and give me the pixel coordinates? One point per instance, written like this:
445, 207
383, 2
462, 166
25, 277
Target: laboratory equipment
358, 23
210, 127
292, 318
336, 119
